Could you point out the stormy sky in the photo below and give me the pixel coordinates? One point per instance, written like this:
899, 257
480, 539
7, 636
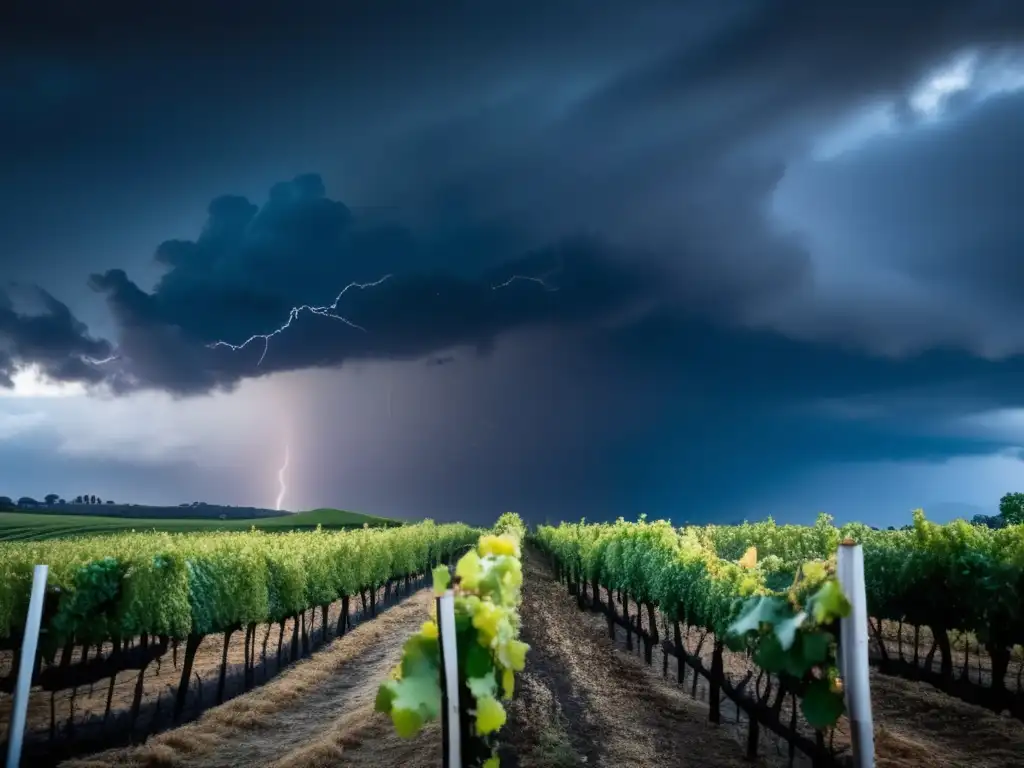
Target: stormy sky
707, 261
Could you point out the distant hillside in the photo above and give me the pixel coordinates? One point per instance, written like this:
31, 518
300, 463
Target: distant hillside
29, 526
328, 518
143, 512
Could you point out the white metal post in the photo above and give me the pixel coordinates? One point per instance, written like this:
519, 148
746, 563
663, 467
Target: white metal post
853, 654
28, 662
446, 626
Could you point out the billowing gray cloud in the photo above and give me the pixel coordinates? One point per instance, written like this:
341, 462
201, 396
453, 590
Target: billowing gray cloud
666, 158
277, 270
662, 142
45, 334
680, 156
916, 235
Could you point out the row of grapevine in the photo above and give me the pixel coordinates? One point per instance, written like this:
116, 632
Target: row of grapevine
958, 578
488, 580
791, 634
181, 585
121, 603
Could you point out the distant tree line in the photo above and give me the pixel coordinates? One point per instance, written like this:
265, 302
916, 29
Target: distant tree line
50, 500
1011, 512
55, 500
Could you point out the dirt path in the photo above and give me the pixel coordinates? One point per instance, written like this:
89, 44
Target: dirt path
318, 713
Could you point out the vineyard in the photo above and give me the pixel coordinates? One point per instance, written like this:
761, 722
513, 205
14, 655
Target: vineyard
123, 604
740, 608
654, 633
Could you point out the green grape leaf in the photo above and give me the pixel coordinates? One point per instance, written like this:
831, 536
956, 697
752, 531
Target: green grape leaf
478, 661
385, 695
442, 579
421, 657
814, 647
407, 722
820, 706
757, 610
482, 686
490, 715
786, 629
828, 603
422, 694
735, 642
770, 655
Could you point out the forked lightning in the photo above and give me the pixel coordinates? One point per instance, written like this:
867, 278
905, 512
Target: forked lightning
328, 311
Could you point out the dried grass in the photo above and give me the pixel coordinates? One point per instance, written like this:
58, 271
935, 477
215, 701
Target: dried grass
294, 719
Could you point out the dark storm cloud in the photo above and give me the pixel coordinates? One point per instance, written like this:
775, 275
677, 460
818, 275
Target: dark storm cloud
808, 52
680, 157
710, 419
933, 220
46, 334
660, 132
252, 265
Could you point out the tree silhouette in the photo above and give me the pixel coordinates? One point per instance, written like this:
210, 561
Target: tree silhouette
1011, 508
27, 501
6, 502
110, 501
51, 498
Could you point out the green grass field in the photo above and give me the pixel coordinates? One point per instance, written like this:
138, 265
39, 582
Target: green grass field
20, 526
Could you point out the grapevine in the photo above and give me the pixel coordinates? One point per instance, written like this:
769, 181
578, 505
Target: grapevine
770, 588
488, 581
955, 577
679, 571
180, 584
792, 634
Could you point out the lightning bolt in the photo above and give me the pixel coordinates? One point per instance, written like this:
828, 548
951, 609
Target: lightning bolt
327, 311
282, 486
514, 278
104, 361
330, 311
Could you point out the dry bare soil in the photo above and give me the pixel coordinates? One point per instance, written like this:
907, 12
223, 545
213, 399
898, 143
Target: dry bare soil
584, 701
